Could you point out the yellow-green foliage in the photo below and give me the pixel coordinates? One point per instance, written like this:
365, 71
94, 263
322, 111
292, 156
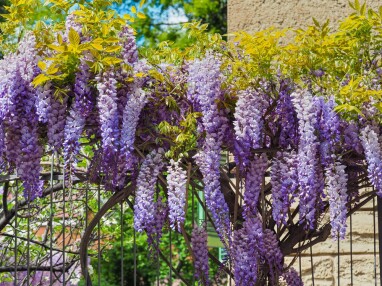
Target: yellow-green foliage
347, 57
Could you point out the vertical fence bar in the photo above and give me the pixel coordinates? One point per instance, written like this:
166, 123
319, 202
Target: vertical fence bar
338, 262
51, 223
86, 225
135, 256
28, 240
379, 205
311, 265
99, 236
193, 223
375, 244
122, 272
299, 260
63, 226
170, 281
351, 250
15, 230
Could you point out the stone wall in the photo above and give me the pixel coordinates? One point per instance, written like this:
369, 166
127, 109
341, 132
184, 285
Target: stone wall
326, 259
254, 15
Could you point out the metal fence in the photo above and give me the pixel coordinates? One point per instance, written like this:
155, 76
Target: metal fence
75, 223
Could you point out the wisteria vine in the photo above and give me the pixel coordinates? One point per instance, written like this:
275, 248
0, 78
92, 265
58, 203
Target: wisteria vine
138, 122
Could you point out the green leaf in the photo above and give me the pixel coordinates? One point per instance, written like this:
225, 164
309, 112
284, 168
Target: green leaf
74, 37
42, 65
40, 80
112, 49
111, 61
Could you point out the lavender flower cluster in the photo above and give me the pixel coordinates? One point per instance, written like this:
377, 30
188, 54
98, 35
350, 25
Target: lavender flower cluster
176, 181
284, 180
337, 193
144, 207
373, 153
248, 122
200, 252
253, 184
292, 278
246, 251
310, 175
204, 90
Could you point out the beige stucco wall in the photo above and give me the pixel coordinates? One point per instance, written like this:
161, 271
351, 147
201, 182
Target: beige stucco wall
325, 255
254, 15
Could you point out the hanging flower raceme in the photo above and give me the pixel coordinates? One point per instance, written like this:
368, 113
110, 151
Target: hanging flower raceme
373, 154
108, 112
329, 131
176, 181
253, 184
246, 251
248, 122
43, 101
292, 278
84, 101
284, 180
144, 207
135, 103
73, 129
154, 232
129, 48
351, 136
28, 163
287, 117
204, 90
337, 193
272, 254
20, 118
200, 251
309, 171
56, 116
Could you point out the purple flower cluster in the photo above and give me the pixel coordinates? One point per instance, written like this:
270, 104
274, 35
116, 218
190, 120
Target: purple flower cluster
200, 250
176, 181
56, 115
329, 125
144, 207
154, 232
18, 115
28, 163
108, 113
292, 278
248, 122
135, 102
373, 155
73, 129
253, 184
309, 173
84, 101
204, 91
351, 137
70, 23
129, 48
337, 193
284, 180
245, 251
44, 95
287, 117
272, 254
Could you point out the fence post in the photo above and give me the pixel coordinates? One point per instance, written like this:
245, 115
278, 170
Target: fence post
379, 206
